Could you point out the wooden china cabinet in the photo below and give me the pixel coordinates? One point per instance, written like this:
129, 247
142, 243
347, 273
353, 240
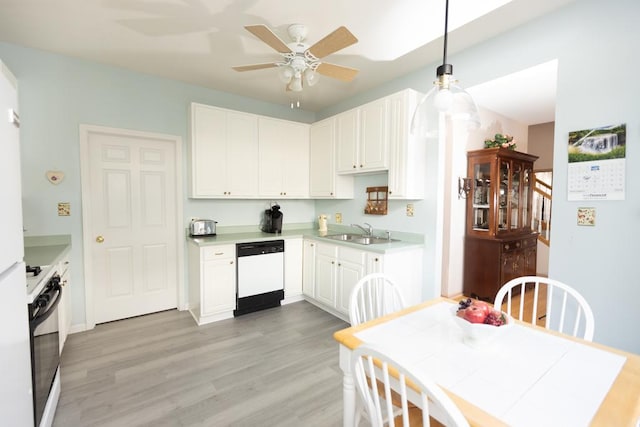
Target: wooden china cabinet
499, 242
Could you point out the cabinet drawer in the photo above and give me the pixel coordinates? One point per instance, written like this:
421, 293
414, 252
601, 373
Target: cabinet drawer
217, 252
530, 242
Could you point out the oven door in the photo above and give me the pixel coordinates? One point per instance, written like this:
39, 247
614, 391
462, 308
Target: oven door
45, 351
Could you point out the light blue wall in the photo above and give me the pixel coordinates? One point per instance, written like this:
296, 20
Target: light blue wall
595, 43
57, 94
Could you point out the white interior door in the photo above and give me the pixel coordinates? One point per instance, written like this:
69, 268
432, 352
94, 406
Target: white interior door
131, 224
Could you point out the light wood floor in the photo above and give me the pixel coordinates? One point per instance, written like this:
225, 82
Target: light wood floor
277, 367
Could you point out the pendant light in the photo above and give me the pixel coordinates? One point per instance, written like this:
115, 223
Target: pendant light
446, 97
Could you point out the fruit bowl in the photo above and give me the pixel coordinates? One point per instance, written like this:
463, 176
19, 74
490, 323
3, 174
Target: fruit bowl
479, 334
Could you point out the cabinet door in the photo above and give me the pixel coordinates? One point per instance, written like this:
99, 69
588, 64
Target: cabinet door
308, 269
284, 158
530, 261
292, 267
373, 153
347, 141
512, 267
295, 160
407, 154
208, 151
218, 279
270, 154
64, 308
242, 155
351, 268
325, 269
375, 263
322, 169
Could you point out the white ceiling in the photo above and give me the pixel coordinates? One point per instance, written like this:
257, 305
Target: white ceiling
198, 41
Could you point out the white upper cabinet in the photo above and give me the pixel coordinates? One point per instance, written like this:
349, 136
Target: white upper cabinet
407, 154
324, 183
224, 153
362, 138
283, 158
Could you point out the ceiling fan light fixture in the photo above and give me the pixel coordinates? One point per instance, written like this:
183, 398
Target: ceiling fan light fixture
296, 84
445, 97
311, 77
285, 73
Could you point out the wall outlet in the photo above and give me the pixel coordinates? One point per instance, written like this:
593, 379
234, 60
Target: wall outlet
409, 209
338, 217
64, 209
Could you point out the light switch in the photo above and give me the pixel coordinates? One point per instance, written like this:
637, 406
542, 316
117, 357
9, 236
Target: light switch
338, 217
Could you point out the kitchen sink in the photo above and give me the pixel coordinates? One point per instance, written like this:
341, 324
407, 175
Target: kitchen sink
360, 239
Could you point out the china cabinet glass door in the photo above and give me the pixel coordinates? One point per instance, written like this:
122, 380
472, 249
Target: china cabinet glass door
516, 215
481, 196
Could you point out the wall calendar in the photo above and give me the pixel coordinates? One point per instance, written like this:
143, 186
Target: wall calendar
597, 163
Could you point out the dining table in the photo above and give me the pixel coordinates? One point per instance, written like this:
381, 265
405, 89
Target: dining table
525, 375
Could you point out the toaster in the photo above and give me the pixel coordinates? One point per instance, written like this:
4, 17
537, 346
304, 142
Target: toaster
202, 227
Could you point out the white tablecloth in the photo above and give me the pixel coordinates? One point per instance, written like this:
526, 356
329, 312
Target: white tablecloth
524, 377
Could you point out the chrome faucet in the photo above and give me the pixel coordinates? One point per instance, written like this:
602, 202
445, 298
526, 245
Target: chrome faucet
367, 231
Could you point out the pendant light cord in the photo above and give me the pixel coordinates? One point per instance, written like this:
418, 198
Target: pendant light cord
446, 31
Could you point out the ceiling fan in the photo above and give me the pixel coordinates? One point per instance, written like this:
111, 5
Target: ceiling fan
300, 62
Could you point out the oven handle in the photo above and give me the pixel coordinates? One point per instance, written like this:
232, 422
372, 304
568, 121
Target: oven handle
40, 317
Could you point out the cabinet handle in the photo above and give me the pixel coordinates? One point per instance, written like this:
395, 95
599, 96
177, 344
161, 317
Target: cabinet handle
376, 259
219, 253
230, 262
311, 244
333, 262
339, 265
354, 166
331, 194
100, 239
360, 165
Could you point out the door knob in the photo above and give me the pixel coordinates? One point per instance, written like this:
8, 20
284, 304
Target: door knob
99, 239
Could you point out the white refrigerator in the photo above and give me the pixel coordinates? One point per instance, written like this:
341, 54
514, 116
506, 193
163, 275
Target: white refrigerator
16, 406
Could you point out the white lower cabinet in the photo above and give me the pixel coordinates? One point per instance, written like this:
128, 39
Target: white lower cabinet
293, 259
64, 308
331, 271
212, 282
337, 270
309, 268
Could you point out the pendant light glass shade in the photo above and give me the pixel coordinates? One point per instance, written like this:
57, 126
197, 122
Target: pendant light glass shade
448, 99
445, 100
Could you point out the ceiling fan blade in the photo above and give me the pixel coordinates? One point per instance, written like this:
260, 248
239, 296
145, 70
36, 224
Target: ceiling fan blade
339, 72
333, 42
255, 66
266, 35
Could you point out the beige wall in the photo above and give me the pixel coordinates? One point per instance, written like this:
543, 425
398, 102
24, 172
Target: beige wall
541, 144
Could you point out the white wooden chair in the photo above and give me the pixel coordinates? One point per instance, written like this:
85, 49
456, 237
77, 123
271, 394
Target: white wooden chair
368, 362
566, 310
373, 296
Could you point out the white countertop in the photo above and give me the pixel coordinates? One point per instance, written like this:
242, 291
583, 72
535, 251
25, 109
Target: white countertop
45, 252
405, 240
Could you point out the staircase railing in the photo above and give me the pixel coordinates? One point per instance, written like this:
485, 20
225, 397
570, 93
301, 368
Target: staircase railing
542, 191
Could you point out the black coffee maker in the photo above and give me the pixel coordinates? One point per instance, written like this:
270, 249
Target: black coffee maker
272, 220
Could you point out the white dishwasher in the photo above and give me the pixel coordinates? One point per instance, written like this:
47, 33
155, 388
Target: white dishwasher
260, 276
